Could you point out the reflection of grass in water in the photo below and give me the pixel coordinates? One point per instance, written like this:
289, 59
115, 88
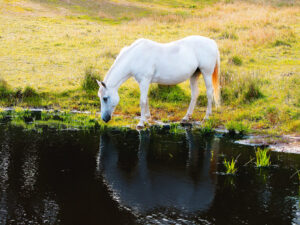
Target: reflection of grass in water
298, 175
230, 181
299, 188
264, 175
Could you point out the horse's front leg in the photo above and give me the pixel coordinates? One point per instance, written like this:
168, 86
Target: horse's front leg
194, 96
148, 114
144, 87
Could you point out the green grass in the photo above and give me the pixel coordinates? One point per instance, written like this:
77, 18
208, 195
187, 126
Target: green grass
236, 60
237, 127
47, 45
230, 166
176, 129
262, 157
34, 119
168, 93
89, 82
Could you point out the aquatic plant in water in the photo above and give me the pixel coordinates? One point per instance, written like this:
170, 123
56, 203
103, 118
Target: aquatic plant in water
176, 129
230, 166
262, 158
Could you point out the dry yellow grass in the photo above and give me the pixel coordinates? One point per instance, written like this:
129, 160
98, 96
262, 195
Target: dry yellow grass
48, 44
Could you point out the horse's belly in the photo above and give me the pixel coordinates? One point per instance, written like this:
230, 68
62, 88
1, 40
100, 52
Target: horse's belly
171, 74
168, 80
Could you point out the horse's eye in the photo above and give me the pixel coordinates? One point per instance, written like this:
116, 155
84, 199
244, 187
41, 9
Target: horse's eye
105, 99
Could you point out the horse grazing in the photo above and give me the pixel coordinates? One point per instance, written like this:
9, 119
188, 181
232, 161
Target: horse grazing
167, 64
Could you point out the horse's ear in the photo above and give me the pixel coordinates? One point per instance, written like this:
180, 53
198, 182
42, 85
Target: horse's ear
101, 83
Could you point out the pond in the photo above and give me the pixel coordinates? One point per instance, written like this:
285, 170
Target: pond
70, 177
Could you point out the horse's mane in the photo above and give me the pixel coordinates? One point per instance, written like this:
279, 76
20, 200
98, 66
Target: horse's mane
124, 50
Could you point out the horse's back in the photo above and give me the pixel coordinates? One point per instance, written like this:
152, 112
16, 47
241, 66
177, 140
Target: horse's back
173, 62
204, 48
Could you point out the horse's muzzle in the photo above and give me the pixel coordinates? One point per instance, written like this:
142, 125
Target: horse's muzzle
106, 118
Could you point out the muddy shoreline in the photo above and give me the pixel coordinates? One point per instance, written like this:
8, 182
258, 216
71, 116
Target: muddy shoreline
284, 143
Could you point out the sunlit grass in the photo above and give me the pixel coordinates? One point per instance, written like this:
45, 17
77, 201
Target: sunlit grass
230, 166
262, 157
49, 50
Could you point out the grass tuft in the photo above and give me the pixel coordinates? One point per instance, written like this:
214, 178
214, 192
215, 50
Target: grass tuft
30, 92
5, 91
230, 166
237, 60
176, 129
89, 82
253, 92
237, 127
241, 88
281, 43
262, 158
228, 35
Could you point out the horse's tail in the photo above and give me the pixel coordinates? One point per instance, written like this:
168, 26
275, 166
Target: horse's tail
216, 82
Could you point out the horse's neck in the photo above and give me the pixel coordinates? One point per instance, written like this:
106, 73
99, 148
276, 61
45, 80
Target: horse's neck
117, 74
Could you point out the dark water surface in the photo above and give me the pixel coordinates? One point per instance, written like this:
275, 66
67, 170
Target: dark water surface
72, 177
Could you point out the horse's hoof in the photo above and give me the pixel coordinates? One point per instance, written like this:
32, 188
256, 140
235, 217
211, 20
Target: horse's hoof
185, 122
140, 127
205, 118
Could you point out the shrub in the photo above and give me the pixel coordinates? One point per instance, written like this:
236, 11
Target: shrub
237, 127
168, 93
281, 43
29, 92
262, 159
5, 92
241, 87
18, 93
89, 82
236, 60
253, 91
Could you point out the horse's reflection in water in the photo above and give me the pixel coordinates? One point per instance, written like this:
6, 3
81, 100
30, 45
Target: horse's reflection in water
147, 171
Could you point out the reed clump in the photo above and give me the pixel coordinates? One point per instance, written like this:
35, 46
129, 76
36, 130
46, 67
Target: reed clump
262, 157
230, 166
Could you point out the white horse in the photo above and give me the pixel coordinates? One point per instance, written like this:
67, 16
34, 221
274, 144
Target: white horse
167, 64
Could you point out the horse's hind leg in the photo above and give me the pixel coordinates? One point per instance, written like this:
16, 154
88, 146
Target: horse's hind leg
209, 91
194, 96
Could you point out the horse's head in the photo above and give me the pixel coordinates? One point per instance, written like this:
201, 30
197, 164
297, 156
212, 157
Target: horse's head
109, 99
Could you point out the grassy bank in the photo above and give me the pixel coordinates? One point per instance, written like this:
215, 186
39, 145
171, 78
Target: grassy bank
51, 51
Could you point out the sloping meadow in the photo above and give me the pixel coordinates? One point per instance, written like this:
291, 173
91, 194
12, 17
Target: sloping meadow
56, 49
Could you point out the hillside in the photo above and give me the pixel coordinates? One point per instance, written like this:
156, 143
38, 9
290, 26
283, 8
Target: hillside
49, 46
